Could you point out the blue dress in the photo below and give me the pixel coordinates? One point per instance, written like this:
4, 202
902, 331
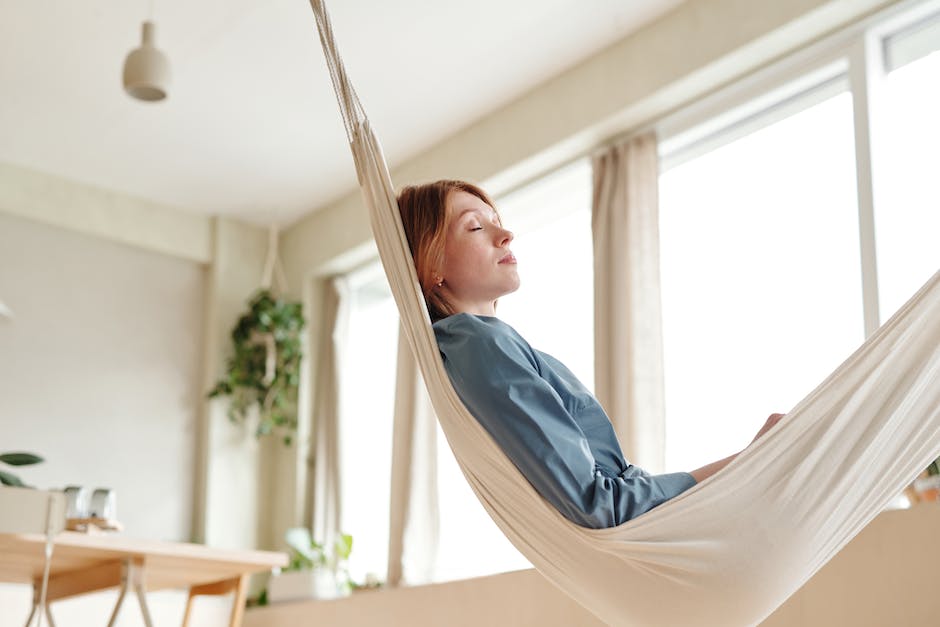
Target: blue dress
548, 424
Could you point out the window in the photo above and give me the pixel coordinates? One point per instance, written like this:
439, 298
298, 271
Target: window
760, 279
764, 257
907, 191
369, 360
554, 307
553, 310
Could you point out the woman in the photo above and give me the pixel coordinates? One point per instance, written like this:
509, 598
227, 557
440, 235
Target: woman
548, 424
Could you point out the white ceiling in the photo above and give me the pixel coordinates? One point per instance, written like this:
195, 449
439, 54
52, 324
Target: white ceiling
251, 128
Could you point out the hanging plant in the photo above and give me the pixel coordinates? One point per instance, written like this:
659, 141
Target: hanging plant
264, 371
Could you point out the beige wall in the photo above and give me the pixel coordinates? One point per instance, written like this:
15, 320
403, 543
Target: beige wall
103, 371
95, 211
517, 599
885, 577
100, 369
232, 502
128, 307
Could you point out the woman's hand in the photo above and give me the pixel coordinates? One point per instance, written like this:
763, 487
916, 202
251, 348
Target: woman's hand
700, 474
771, 421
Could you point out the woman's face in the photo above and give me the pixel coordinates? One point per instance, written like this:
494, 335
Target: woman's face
478, 265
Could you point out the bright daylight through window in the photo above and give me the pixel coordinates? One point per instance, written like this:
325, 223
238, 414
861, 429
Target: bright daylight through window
369, 359
906, 167
761, 296
760, 239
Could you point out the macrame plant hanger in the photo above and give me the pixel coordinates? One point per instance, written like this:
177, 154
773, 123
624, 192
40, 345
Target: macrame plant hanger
274, 281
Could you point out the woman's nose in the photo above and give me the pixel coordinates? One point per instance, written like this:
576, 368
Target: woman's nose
505, 236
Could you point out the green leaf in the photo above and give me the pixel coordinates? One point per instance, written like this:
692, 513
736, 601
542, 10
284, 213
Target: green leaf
344, 546
298, 538
934, 468
8, 479
306, 553
20, 459
244, 382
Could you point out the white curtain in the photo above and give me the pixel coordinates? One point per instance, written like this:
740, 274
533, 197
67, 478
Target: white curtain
414, 513
628, 354
325, 479
414, 517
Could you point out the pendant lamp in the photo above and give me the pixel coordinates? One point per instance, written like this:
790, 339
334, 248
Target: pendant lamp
146, 69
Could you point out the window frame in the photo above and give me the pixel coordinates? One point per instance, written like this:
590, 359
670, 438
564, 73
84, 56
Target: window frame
854, 58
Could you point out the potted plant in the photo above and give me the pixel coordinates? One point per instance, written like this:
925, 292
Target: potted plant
263, 373
16, 459
314, 572
926, 487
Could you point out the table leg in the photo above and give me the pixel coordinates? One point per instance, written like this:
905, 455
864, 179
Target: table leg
29, 621
238, 603
189, 609
142, 599
238, 585
32, 613
117, 606
132, 576
39, 608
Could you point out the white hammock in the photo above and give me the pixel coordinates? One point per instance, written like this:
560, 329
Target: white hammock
730, 550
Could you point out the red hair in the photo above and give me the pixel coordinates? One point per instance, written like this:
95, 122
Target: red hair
423, 211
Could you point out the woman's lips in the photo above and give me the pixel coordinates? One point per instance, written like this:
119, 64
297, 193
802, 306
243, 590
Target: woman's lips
509, 258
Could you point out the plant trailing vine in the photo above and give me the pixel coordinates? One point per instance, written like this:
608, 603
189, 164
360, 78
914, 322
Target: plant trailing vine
263, 373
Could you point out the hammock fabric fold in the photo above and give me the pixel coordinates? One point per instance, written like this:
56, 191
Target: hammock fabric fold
730, 550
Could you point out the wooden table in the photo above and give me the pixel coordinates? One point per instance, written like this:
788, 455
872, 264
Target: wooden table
83, 563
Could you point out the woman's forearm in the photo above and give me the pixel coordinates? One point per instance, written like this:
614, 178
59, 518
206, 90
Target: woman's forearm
703, 473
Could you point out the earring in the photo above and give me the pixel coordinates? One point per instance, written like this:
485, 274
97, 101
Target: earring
440, 281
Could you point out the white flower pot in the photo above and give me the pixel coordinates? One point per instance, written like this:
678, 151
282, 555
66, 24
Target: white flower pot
296, 585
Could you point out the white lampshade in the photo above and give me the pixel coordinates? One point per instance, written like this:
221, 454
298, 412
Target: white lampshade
5, 311
146, 69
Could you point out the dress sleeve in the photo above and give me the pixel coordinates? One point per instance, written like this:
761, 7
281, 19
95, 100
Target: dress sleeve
498, 379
